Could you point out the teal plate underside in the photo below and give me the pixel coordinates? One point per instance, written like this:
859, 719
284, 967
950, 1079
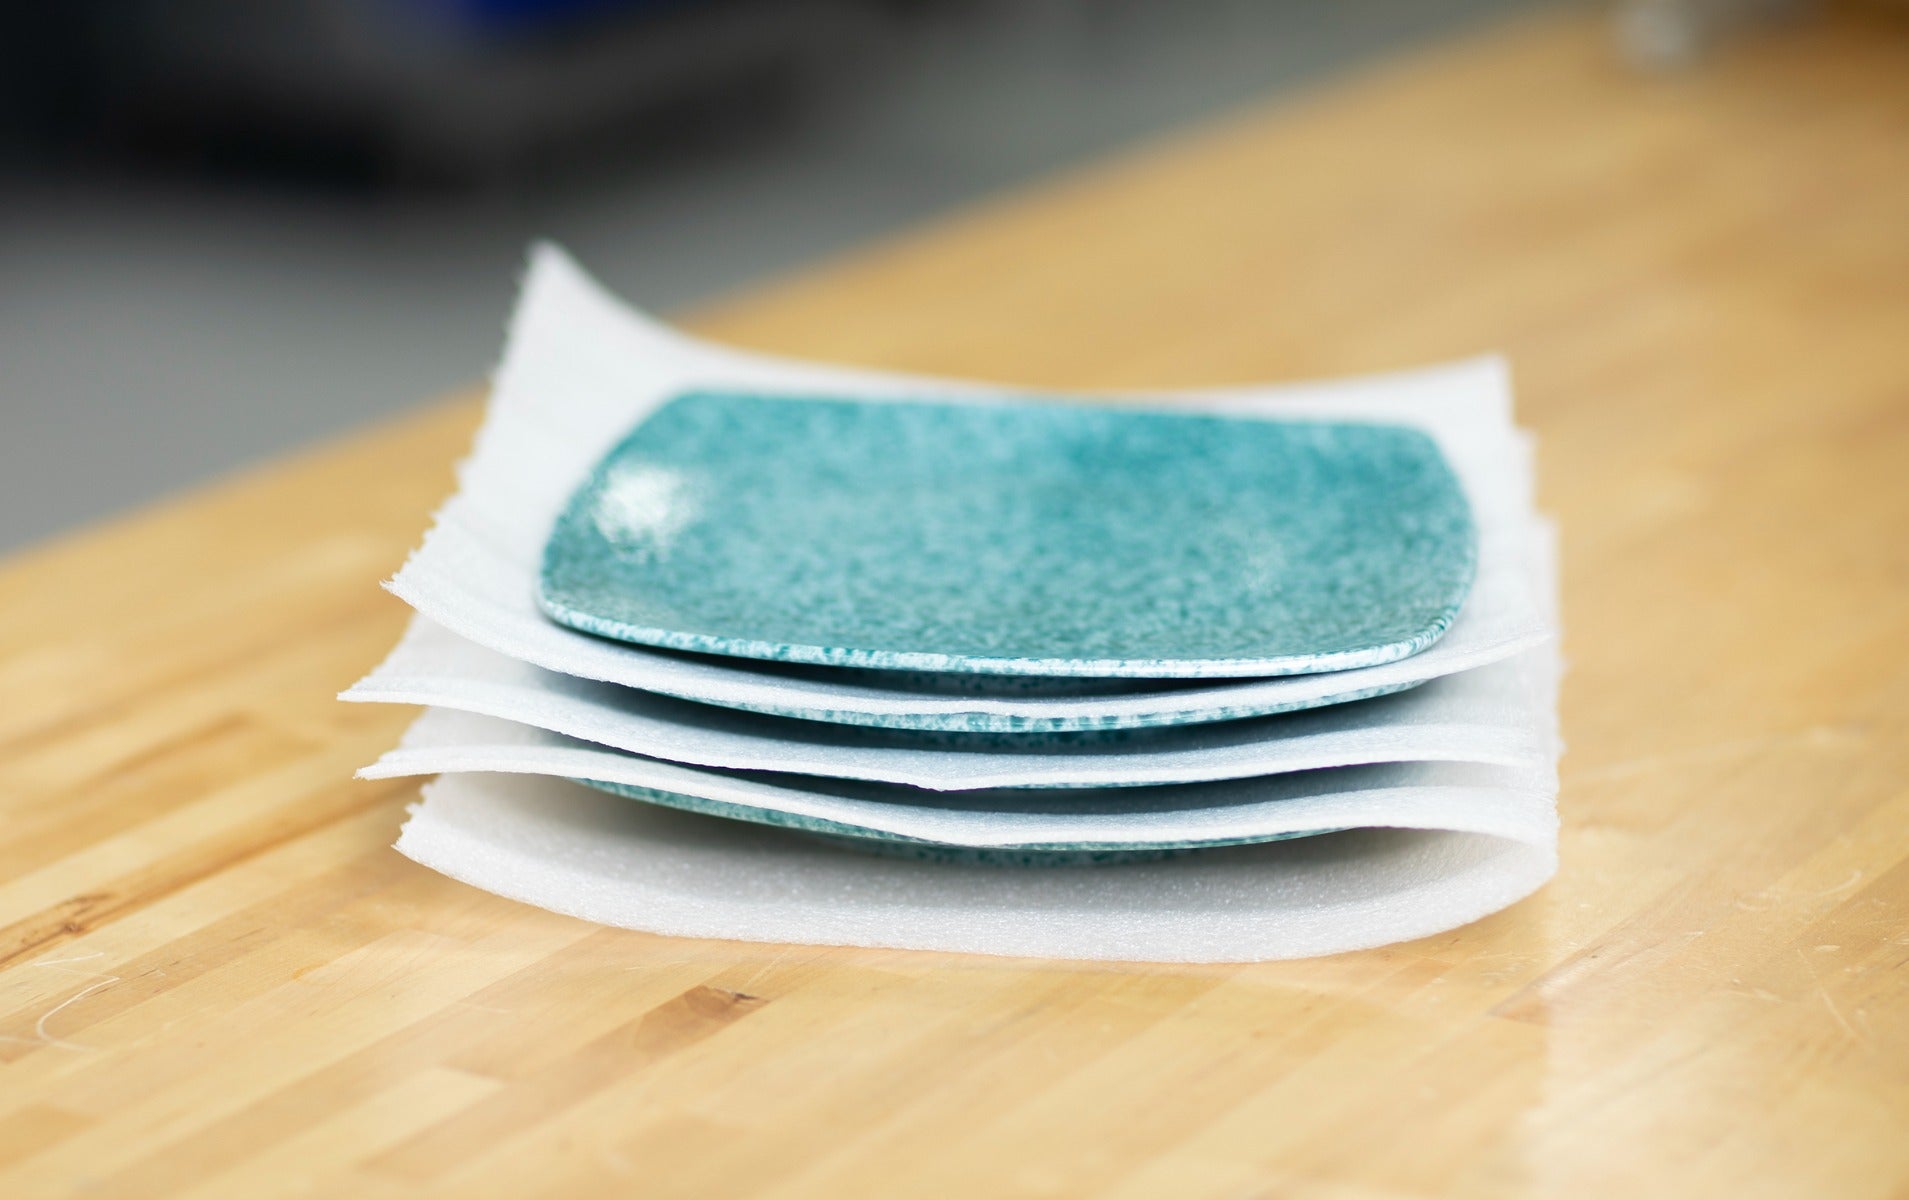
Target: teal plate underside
986, 723
1013, 539
895, 845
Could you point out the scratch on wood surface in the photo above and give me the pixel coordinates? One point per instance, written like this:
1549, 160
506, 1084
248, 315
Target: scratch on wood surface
1855, 877
79, 915
41, 1034
777, 960
1768, 898
1822, 993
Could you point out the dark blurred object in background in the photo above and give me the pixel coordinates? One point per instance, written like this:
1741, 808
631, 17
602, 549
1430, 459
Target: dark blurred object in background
1672, 33
228, 227
427, 90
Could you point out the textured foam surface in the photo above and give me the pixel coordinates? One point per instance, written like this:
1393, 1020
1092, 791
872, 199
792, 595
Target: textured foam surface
1480, 715
589, 854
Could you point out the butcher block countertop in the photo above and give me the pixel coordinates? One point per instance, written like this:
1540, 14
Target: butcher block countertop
217, 979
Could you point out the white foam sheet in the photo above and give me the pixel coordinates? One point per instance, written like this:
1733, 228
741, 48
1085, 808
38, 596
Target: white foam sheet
1483, 716
574, 850
580, 369
1508, 802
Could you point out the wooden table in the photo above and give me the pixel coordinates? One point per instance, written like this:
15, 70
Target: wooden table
218, 980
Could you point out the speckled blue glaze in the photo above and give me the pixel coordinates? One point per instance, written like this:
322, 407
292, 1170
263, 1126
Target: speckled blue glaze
1019, 539
995, 856
1038, 854
975, 724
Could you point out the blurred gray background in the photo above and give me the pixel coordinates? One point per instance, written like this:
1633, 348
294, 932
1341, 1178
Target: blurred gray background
228, 228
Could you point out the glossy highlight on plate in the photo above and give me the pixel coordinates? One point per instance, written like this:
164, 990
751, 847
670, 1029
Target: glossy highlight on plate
1013, 538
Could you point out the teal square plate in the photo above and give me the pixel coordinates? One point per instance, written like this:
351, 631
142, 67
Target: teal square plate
1013, 539
895, 845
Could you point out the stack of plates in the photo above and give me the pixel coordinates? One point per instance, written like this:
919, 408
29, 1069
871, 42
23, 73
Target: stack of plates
887, 636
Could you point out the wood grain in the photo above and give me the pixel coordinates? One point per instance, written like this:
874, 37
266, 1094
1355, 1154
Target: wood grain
219, 981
